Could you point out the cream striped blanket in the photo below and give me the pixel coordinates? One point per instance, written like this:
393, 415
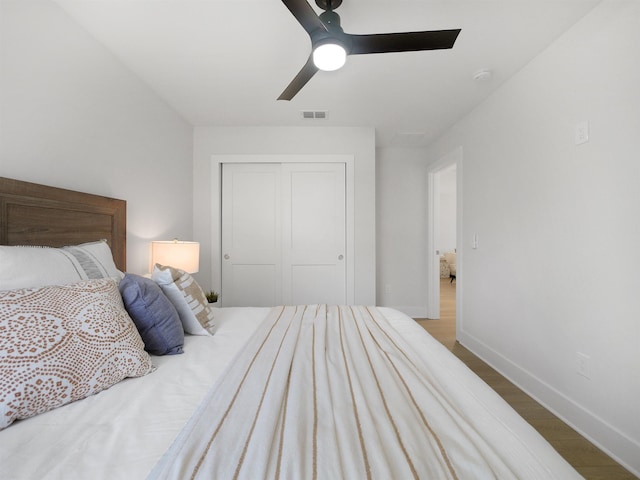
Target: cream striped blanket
336, 393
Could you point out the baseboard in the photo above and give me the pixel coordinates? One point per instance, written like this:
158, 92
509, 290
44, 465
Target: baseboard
608, 438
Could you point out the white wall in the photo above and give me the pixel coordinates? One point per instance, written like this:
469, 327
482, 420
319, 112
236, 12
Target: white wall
401, 219
446, 241
359, 142
401, 229
556, 271
72, 116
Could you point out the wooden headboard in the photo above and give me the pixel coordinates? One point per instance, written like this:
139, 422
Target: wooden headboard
32, 214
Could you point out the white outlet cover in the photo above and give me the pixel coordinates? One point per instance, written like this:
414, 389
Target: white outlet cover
582, 132
583, 367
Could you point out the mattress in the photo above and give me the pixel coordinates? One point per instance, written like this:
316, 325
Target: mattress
123, 432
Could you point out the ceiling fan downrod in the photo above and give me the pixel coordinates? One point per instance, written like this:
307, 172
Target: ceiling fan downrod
328, 5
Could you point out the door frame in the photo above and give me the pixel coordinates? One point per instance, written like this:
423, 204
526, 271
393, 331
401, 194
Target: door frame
216, 224
454, 157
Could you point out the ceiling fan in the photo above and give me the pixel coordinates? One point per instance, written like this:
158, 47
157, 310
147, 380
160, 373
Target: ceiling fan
331, 45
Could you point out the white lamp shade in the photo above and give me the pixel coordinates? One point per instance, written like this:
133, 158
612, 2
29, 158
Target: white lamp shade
176, 254
329, 56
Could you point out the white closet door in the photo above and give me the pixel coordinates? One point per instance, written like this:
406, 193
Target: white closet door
313, 233
283, 234
251, 235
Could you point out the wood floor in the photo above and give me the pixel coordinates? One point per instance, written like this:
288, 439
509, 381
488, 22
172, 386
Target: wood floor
588, 460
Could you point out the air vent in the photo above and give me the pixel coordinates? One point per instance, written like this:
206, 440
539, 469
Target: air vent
314, 114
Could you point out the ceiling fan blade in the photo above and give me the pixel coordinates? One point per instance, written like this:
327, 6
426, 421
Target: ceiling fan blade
300, 80
403, 42
305, 15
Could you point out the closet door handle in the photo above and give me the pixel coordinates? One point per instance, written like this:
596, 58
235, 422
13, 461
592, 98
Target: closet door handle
340, 257
226, 256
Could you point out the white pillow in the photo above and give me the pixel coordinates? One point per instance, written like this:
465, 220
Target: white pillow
27, 267
59, 344
188, 298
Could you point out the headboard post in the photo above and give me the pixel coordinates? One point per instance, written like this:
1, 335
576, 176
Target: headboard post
32, 214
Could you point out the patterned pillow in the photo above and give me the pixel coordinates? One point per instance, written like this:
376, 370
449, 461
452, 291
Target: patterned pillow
153, 313
62, 343
26, 267
188, 298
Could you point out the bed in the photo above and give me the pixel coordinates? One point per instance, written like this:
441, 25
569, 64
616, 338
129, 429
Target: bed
310, 391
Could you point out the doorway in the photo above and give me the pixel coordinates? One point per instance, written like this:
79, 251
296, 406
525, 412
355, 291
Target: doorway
446, 244
444, 226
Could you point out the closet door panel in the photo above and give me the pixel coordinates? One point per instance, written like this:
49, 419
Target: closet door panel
283, 234
251, 235
313, 284
253, 285
314, 233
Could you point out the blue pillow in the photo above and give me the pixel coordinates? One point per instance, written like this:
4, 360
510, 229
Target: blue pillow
154, 315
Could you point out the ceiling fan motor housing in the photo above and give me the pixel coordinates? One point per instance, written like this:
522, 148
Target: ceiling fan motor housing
333, 34
331, 19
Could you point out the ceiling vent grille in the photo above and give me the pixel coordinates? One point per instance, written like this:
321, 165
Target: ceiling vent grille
311, 114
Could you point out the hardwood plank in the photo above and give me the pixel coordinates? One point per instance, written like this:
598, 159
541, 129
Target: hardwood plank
587, 459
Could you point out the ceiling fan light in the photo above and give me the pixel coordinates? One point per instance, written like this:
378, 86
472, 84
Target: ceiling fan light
329, 56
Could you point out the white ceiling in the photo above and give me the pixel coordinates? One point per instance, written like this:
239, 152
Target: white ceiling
224, 63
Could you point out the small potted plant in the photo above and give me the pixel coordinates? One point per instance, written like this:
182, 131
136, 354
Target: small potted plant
212, 297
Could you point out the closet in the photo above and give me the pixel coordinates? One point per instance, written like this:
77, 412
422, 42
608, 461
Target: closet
283, 234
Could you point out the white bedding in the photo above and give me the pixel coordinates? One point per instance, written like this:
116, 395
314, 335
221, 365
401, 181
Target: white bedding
122, 432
